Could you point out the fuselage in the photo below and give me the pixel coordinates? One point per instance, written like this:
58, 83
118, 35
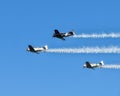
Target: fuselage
36, 49
92, 66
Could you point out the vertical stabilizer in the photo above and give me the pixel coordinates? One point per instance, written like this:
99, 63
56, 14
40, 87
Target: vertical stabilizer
101, 63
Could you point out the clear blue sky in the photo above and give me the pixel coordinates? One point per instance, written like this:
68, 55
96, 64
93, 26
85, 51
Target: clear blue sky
24, 22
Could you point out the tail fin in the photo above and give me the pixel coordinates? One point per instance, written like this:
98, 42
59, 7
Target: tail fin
72, 32
101, 63
45, 47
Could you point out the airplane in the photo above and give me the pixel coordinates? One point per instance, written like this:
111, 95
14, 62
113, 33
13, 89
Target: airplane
37, 49
59, 35
92, 66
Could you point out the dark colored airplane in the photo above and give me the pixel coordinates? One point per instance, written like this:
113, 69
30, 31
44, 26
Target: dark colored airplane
92, 66
62, 36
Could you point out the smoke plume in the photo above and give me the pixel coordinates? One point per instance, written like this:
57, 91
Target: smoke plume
103, 35
86, 50
111, 66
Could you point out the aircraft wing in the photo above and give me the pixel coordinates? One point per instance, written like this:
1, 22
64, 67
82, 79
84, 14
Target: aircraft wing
31, 48
62, 38
56, 31
88, 65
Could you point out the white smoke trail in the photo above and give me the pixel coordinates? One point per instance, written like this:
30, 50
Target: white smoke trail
111, 66
103, 35
86, 50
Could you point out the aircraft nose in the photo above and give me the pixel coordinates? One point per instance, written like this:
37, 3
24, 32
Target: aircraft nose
27, 49
53, 35
84, 66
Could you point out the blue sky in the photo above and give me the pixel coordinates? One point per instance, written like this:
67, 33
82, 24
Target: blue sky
26, 22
